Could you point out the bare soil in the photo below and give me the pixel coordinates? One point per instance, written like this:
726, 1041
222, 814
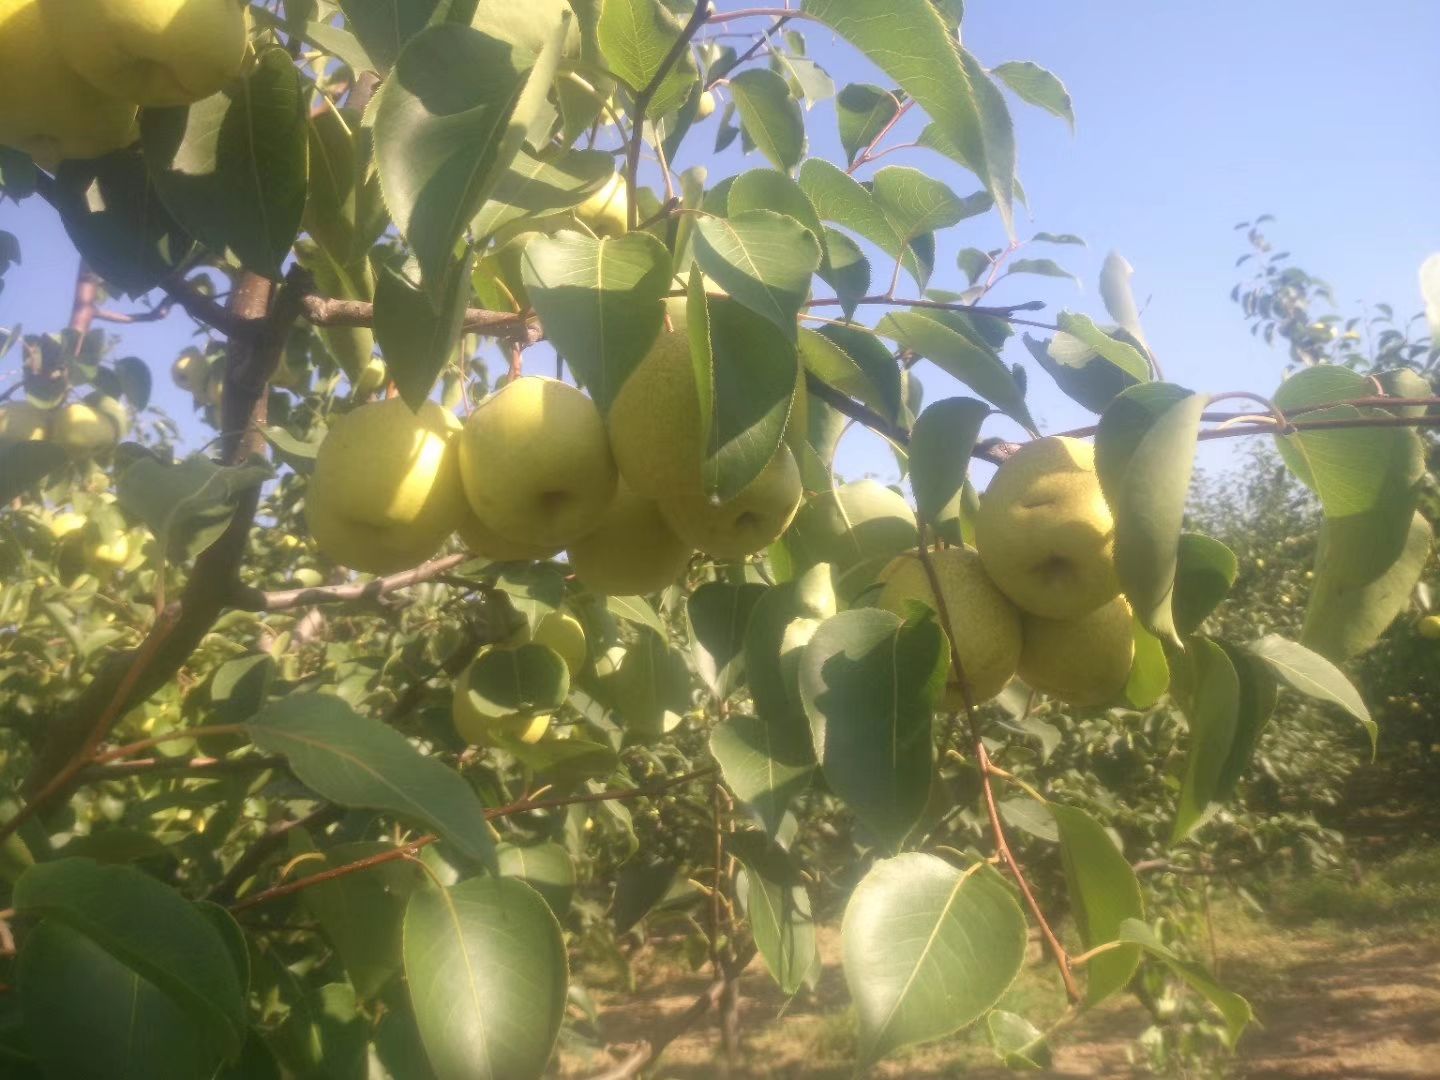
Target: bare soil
1327, 1005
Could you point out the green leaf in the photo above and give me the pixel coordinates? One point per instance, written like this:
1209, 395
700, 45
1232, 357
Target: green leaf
755, 374
115, 218
855, 363
384, 26
546, 867
1040, 267
774, 898
968, 359
1081, 373
599, 301
915, 204
417, 336
1119, 300
88, 1016
761, 258
1125, 357
486, 965
843, 200
1018, 1043
1205, 571
533, 187
636, 36
940, 447
151, 930
1315, 677
972, 263
652, 688
719, 613
527, 678
25, 464
1103, 894
356, 761
360, 913
344, 212
927, 949
634, 609
232, 168
1149, 671
1144, 453
135, 382
1037, 86
1212, 712
186, 505
869, 684
448, 121
913, 46
1349, 608
341, 44
767, 189
1233, 1009
766, 765
1028, 816
863, 111
845, 269
770, 116
810, 595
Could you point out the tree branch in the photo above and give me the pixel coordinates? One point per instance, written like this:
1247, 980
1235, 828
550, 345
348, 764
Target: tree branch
247, 599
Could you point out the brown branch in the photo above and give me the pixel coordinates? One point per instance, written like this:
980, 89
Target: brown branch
155, 314
328, 311
248, 599
404, 851
755, 46
1005, 313
199, 766
867, 154
642, 102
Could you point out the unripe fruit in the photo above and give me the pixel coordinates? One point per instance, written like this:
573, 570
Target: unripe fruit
1429, 627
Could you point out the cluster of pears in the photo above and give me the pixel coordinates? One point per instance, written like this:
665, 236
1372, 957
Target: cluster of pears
73, 73
81, 428
535, 470
1037, 596
557, 640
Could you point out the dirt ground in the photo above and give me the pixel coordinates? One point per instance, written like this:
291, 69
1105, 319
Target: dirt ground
1327, 1004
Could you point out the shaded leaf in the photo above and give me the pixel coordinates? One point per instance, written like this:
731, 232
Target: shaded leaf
770, 116
1205, 571
1212, 711
774, 898
636, 36
863, 111
1233, 1009
719, 613
1311, 674
1103, 894
940, 446
765, 764
1034, 84
187, 505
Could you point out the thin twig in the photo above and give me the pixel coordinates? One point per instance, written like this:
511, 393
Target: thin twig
288, 599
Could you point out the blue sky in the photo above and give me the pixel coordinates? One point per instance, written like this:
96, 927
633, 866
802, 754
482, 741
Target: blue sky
1190, 119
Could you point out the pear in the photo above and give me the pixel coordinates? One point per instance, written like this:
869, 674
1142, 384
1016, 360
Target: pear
565, 635
705, 106
151, 52
1045, 532
634, 551
1084, 661
475, 727
372, 377
21, 422
191, 371
607, 211
88, 427
1429, 627
749, 522
49, 111
385, 492
857, 528
536, 462
985, 622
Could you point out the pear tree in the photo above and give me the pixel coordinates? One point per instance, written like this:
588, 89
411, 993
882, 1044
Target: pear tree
497, 604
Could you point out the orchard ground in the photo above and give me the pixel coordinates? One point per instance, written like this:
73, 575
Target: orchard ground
1343, 970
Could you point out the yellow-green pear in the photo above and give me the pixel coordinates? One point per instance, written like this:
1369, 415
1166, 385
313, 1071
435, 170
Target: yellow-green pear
705, 106
49, 111
21, 422
151, 52
860, 526
566, 636
655, 422
634, 551
83, 428
372, 377
607, 212
536, 464
749, 522
490, 545
476, 728
385, 491
1429, 627
191, 371
1045, 532
985, 622
1084, 661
